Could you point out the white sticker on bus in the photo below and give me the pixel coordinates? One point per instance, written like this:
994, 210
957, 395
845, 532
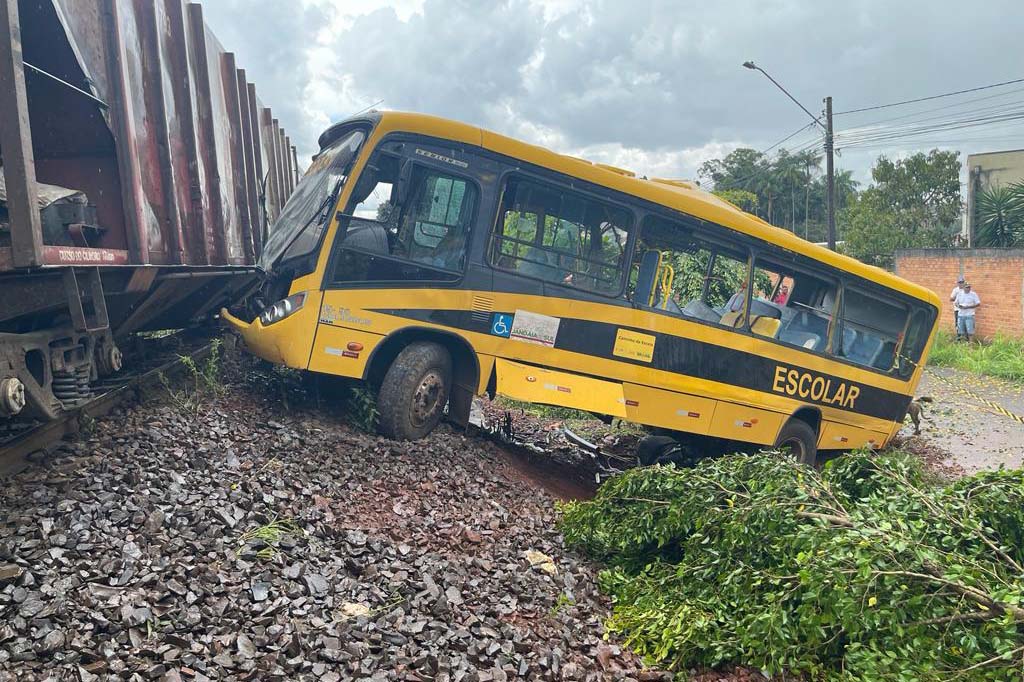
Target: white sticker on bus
534, 328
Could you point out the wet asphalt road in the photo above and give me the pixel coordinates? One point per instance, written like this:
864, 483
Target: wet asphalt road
968, 419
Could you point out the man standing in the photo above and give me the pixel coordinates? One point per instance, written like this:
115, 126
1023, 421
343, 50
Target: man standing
952, 299
967, 302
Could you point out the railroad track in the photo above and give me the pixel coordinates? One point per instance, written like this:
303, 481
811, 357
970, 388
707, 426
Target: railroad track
20, 442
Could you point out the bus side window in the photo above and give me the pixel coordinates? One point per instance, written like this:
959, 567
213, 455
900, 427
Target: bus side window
559, 236
707, 281
792, 306
871, 329
917, 336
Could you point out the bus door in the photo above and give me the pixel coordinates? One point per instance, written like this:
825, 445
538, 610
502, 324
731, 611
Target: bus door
408, 251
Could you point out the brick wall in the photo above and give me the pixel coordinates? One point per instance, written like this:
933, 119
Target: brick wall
997, 275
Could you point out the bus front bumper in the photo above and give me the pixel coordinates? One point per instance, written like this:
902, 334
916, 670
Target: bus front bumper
259, 340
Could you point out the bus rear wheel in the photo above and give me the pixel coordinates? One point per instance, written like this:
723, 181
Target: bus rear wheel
800, 440
415, 391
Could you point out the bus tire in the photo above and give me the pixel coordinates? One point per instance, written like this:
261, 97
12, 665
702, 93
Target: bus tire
414, 392
802, 441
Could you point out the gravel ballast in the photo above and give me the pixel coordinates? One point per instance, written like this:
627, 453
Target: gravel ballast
258, 537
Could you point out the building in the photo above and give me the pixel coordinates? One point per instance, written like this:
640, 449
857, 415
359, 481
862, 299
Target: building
988, 170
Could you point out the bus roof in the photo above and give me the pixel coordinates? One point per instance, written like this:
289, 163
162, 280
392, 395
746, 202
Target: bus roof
680, 195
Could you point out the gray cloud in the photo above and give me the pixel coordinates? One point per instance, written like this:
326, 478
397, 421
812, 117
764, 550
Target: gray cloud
270, 40
652, 81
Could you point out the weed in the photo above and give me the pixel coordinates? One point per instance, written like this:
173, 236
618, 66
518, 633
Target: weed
205, 380
270, 535
1003, 357
562, 602
546, 411
362, 408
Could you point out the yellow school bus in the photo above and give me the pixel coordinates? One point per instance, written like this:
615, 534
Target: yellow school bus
438, 261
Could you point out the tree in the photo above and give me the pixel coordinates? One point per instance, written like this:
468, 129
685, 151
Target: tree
914, 203
778, 183
810, 159
1000, 216
925, 186
740, 169
845, 187
740, 198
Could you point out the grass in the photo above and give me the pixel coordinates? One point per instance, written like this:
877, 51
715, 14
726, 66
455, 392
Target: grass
270, 535
545, 411
583, 423
1003, 357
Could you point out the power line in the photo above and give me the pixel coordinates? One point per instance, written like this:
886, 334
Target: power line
992, 110
787, 138
964, 103
903, 132
925, 99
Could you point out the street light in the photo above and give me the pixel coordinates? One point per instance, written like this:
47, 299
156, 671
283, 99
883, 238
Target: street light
829, 151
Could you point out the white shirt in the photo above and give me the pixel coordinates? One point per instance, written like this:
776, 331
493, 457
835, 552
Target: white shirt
967, 298
956, 290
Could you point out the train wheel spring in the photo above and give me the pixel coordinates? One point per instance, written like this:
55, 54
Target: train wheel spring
72, 387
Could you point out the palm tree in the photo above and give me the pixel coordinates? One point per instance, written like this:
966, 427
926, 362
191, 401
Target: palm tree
1000, 216
790, 174
810, 159
846, 187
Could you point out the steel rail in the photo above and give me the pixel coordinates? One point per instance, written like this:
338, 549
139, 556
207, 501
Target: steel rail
16, 454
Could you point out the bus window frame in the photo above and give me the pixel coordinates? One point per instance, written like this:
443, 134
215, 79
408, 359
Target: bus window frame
892, 297
542, 177
404, 154
715, 243
774, 257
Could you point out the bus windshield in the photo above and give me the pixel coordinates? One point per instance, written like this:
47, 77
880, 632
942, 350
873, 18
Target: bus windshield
297, 231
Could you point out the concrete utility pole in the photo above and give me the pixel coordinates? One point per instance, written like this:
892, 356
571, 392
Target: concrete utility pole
831, 172
829, 151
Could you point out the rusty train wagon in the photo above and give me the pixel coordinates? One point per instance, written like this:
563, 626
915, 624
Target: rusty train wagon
140, 173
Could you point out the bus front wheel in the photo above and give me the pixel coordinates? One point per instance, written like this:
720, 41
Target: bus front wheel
415, 391
799, 438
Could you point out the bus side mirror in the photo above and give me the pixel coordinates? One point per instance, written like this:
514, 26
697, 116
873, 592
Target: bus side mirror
404, 181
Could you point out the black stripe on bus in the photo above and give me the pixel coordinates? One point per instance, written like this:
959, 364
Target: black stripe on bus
701, 360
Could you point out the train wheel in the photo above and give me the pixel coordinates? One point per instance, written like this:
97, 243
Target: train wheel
415, 391
800, 440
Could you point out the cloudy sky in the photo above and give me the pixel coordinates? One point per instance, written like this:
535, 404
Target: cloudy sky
652, 85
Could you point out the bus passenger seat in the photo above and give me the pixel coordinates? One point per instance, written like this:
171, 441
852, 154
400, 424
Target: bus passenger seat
700, 310
646, 276
766, 326
799, 338
733, 318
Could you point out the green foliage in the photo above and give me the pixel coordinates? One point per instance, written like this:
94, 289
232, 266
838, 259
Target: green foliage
869, 570
1000, 216
740, 198
545, 411
362, 408
1003, 357
269, 535
914, 203
787, 190
205, 379
561, 603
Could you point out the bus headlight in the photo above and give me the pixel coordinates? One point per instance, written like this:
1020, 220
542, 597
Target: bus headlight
282, 309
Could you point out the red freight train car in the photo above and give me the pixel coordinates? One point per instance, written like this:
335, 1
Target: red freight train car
140, 174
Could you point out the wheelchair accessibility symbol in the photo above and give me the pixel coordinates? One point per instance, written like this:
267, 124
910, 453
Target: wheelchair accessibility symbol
501, 324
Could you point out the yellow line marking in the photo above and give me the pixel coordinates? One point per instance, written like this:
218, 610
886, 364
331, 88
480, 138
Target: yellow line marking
999, 409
